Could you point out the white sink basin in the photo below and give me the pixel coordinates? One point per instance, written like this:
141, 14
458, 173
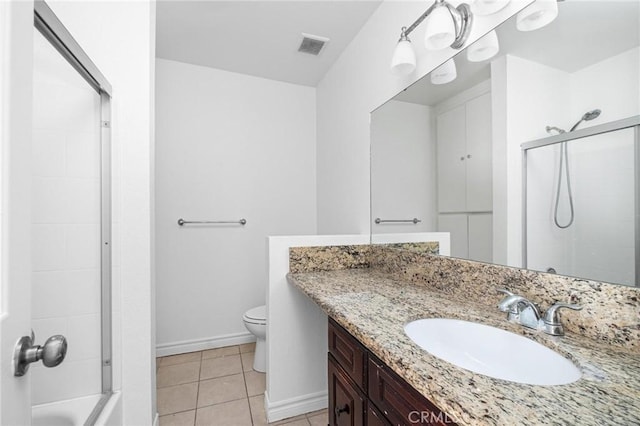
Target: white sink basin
491, 351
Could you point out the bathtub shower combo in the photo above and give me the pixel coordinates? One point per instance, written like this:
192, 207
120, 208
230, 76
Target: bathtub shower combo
581, 201
72, 234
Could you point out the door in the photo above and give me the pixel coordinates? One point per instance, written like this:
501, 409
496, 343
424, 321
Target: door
16, 46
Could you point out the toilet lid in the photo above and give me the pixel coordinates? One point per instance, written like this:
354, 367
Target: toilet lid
259, 313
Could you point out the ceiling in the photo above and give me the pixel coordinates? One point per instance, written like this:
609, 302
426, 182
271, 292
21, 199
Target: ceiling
584, 33
259, 38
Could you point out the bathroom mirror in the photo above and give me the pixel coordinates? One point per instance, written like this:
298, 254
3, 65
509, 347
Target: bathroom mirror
450, 156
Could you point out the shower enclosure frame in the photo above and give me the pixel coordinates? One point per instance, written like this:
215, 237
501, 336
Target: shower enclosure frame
625, 123
54, 31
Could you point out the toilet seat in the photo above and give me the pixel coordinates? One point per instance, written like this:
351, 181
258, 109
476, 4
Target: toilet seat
257, 315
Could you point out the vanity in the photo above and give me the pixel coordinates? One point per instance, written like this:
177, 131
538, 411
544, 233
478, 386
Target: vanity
379, 376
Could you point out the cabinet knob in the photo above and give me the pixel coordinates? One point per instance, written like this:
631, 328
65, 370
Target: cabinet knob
461, 158
468, 155
339, 410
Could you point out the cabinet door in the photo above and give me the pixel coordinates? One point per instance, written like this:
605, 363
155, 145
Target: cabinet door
346, 405
456, 226
374, 417
478, 154
348, 352
480, 229
451, 136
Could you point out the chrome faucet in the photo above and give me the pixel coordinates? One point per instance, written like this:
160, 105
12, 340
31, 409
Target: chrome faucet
551, 321
520, 309
526, 313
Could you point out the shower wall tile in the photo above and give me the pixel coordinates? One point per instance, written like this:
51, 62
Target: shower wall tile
82, 155
48, 153
65, 293
83, 246
84, 342
68, 380
48, 247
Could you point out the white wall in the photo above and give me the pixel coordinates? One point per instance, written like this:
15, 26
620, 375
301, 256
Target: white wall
359, 82
403, 167
120, 39
65, 225
526, 97
229, 146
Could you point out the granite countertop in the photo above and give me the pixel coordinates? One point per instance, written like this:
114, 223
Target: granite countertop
374, 308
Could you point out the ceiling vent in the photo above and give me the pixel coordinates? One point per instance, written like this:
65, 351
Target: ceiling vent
312, 44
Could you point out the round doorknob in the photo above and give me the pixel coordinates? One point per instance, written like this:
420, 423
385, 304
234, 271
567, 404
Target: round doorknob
54, 350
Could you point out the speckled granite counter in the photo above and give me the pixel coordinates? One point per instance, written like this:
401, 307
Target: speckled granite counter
374, 307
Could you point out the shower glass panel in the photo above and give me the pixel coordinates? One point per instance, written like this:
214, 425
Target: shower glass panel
600, 243
66, 228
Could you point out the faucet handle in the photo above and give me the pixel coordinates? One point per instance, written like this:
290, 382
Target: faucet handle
505, 291
552, 323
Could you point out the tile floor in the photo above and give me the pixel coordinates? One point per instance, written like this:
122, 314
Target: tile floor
217, 387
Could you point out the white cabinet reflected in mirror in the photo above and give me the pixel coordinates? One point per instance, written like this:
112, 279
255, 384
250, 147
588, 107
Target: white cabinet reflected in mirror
451, 156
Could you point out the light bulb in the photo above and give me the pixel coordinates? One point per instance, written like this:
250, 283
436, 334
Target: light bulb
445, 73
537, 15
440, 28
403, 61
485, 48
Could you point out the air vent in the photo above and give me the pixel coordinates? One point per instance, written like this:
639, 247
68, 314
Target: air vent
312, 44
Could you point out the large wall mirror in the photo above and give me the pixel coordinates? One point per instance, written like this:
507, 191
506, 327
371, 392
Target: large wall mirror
567, 95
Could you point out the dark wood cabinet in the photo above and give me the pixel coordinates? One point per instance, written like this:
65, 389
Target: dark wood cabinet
365, 391
346, 402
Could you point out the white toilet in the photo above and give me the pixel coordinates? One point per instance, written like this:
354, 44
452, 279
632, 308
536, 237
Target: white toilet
255, 319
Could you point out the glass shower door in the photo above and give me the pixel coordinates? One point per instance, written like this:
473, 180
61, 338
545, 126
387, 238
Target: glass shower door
66, 228
597, 240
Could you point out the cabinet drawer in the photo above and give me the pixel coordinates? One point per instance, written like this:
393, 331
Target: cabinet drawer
346, 403
398, 401
349, 353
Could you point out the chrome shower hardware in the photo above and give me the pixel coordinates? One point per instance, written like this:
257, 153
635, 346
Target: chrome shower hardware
52, 353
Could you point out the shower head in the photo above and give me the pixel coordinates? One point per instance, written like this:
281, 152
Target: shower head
588, 116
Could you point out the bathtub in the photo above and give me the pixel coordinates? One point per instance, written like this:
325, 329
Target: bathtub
74, 412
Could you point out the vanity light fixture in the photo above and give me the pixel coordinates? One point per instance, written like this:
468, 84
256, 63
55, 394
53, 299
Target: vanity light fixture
537, 15
447, 26
404, 58
487, 7
445, 73
485, 48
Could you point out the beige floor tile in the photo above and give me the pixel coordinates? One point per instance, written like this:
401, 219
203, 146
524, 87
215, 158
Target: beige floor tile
174, 399
221, 389
234, 413
218, 352
248, 347
256, 382
319, 418
170, 375
256, 403
300, 420
247, 360
218, 367
186, 418
179, 359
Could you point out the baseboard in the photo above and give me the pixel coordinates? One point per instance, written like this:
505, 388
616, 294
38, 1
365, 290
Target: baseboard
156, 420
294, 406
184, 346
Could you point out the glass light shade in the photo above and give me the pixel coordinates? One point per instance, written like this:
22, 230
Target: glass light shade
403, 61
445, 73
483, 49
537, 15
487, 7
440, 29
